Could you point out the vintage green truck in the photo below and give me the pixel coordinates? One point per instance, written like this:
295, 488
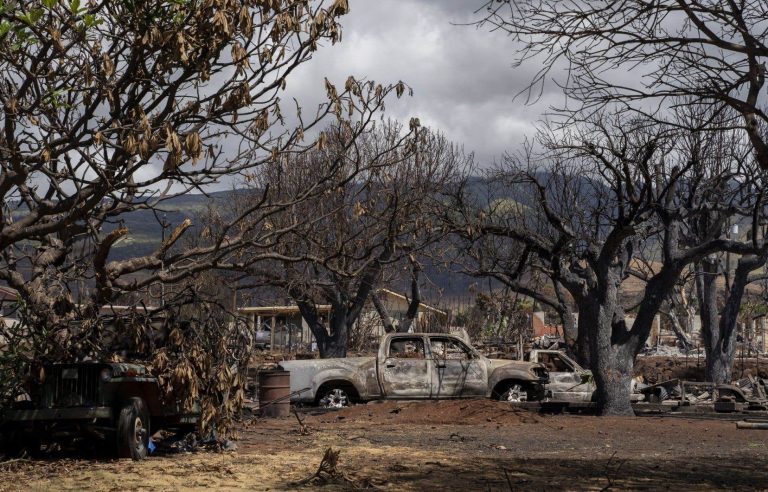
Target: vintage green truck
119, 404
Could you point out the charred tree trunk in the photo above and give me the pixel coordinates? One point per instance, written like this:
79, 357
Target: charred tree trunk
334, 344
583, 348
719, 352
346, 307
614, 345
571, 337
719, 334
331, 340
413, 307
386, 319
413, 304
613, 379
678, 330
611, 357
574, 346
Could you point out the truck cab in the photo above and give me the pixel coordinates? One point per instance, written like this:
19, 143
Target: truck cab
431, 366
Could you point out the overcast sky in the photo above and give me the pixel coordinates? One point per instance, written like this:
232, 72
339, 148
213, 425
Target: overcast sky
462, 77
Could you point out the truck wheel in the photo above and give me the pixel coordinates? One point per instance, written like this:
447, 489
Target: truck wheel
515, 393
133, 430
334, 398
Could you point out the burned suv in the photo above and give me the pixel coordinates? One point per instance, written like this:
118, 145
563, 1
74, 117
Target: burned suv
117, 403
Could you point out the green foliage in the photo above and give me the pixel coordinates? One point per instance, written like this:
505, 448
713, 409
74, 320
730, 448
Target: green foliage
30, 18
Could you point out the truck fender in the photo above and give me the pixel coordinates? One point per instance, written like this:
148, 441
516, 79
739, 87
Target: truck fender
508, 374
148, 391
339, 376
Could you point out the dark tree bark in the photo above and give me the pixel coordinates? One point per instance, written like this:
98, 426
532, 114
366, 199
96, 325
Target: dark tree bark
347, 303
386, 319
718, 330
582, 346
607, 191
413, 305
678, 330
415, 300
370, 214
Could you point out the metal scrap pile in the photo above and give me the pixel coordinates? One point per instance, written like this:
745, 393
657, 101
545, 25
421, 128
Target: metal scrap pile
745, 394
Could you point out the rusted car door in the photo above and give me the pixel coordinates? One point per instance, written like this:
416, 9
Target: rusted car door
456, 370
405, 370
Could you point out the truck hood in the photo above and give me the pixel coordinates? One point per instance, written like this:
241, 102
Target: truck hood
516, 364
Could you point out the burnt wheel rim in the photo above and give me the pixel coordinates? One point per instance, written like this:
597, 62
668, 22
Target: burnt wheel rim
336, 398
514, 394
138, 433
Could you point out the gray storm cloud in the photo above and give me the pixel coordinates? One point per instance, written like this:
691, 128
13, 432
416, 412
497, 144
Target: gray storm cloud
463, 80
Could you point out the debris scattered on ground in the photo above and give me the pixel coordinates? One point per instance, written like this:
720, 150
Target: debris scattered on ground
328, 472
763, 425
303, 429
169, 443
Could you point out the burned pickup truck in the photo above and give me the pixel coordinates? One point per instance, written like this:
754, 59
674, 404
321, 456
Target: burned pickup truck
414, 366
114, 403
568, 381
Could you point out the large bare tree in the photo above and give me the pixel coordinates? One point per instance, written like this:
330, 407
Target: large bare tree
710, 52
586, 203
733, 197
496, 257
373, 212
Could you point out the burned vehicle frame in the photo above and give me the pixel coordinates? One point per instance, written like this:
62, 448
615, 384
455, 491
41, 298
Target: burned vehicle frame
115, 403
413, 366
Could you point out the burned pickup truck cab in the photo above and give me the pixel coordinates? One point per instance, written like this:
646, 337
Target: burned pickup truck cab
414, 366
568, 381
118, 404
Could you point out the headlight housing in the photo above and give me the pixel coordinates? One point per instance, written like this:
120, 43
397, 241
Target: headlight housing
106, 375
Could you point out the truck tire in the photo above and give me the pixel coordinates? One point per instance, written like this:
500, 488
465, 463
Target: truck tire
515, 392
133, 430
334, 397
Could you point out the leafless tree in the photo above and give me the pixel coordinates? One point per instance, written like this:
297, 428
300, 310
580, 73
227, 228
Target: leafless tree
373, 212
737, 201
681, 308
710, 52
586, 203
718, 325
414, 301
495, 256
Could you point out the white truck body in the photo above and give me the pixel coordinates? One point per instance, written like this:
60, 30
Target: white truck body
415, 366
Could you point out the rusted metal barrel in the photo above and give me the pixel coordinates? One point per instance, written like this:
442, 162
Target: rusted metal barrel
275, 385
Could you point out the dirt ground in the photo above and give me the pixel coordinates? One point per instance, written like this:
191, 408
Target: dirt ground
418, 446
